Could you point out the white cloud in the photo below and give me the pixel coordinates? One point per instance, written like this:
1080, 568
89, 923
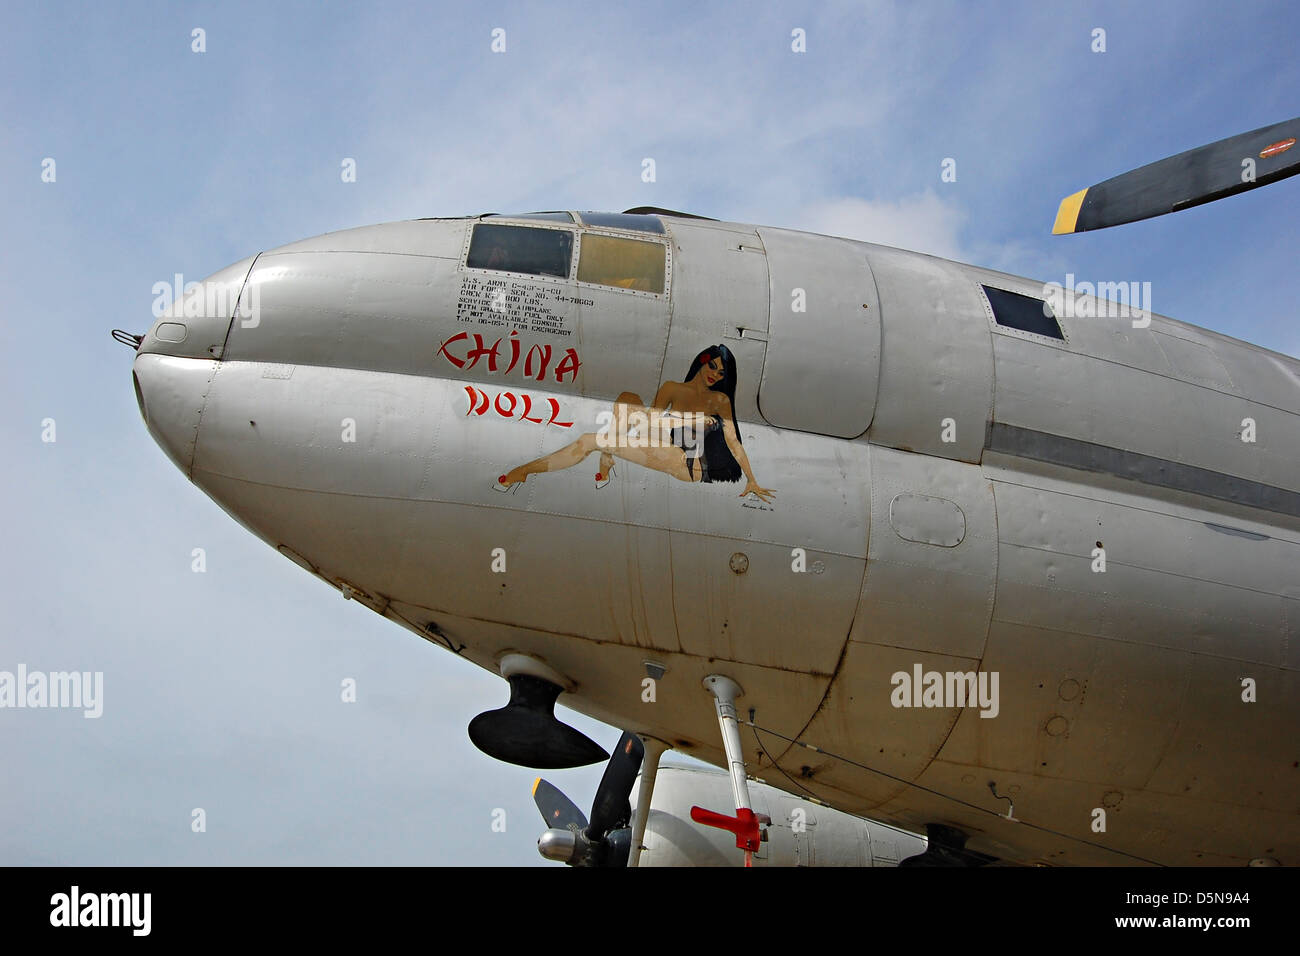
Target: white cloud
923, 222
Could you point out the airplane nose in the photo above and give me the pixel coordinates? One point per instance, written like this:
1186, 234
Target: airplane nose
177, 358
171, 391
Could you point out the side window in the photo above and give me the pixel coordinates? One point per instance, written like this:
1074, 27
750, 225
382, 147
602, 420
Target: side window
1016, 311
622, 263
538, 252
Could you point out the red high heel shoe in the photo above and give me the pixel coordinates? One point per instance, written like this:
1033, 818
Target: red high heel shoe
501, 486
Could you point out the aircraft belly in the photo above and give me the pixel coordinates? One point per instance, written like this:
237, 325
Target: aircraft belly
1111, 683
1122, 690
923, 605
608, 684
774, 583
686, 573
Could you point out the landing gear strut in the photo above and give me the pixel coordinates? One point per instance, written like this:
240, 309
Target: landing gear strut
654, 749
745, 824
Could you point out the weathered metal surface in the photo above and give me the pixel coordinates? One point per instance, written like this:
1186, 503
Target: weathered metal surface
823, 355
339, 428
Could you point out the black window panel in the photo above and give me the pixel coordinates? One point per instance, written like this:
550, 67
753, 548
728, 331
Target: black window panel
539, 252
1023, 312
542, 216
623, 220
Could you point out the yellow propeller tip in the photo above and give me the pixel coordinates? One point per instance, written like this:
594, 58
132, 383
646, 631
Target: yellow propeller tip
1067, 217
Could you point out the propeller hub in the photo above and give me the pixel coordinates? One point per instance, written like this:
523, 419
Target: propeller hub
558, 845
606, 840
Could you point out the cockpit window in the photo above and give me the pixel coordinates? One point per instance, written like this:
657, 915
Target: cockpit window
542, 216
622, 220
623, 263
538, 252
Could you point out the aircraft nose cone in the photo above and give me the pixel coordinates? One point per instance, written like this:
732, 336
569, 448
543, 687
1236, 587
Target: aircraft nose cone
171, 391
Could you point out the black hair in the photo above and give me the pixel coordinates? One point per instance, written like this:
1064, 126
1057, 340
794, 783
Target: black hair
722, 466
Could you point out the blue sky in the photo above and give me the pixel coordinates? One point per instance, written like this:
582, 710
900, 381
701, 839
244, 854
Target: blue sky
221, 689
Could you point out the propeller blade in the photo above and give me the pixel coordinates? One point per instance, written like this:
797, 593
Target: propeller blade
1201, 175
559, 812
611, 809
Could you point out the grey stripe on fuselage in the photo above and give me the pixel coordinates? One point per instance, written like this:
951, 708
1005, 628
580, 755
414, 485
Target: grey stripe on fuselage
1073, 453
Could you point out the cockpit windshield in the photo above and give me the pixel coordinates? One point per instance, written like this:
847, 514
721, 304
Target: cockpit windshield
542, 216
635, 264
532, 251
623, 220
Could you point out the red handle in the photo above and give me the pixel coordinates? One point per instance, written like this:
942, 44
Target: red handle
744, 825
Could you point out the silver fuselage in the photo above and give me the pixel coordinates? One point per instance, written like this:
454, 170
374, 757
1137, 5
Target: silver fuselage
949, 480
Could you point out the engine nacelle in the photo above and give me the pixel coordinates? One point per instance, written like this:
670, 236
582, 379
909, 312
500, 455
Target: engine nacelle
800, 834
